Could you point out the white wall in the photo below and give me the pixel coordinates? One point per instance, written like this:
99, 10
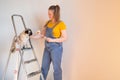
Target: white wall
93, 46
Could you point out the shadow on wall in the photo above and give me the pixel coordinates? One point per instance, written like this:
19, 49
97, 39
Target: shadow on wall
39, 20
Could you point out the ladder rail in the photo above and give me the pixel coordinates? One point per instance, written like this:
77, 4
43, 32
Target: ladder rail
34, 54
19, 69
13, 22
15, 30
21, 62
4, 74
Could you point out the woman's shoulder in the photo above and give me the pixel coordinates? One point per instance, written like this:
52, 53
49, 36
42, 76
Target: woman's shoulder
62, 25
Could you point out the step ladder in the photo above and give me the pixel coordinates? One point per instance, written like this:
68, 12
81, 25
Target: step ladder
21, 53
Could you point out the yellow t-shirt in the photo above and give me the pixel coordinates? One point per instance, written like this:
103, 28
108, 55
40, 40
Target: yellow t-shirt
57, 29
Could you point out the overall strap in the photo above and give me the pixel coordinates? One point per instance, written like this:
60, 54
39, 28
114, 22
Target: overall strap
53, 26
56, 24
45, 26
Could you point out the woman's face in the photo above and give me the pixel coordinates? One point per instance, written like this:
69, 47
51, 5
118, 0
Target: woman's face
50, 14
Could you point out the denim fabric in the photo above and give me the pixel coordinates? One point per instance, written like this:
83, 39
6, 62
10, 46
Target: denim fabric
52, 53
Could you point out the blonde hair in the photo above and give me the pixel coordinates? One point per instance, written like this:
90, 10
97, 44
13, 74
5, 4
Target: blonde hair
56, 12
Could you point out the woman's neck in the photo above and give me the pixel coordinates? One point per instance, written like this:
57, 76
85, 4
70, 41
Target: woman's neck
53, 21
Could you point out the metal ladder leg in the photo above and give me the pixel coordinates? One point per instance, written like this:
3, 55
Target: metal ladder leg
34, 54
4, 74
19, 68
22, 61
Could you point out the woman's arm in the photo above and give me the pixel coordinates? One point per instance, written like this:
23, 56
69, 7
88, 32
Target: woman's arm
39, 34
61, 39
35, 36
43, 32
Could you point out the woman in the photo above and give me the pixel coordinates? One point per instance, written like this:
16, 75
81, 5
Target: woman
54, 33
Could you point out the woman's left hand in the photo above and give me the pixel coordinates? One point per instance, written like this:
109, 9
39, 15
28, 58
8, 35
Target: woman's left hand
49, 39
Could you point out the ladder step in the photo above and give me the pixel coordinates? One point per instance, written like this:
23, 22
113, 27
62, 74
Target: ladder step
33, 74
26, 49
29, 61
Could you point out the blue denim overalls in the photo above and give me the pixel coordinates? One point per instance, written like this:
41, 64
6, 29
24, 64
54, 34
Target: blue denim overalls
52, 53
